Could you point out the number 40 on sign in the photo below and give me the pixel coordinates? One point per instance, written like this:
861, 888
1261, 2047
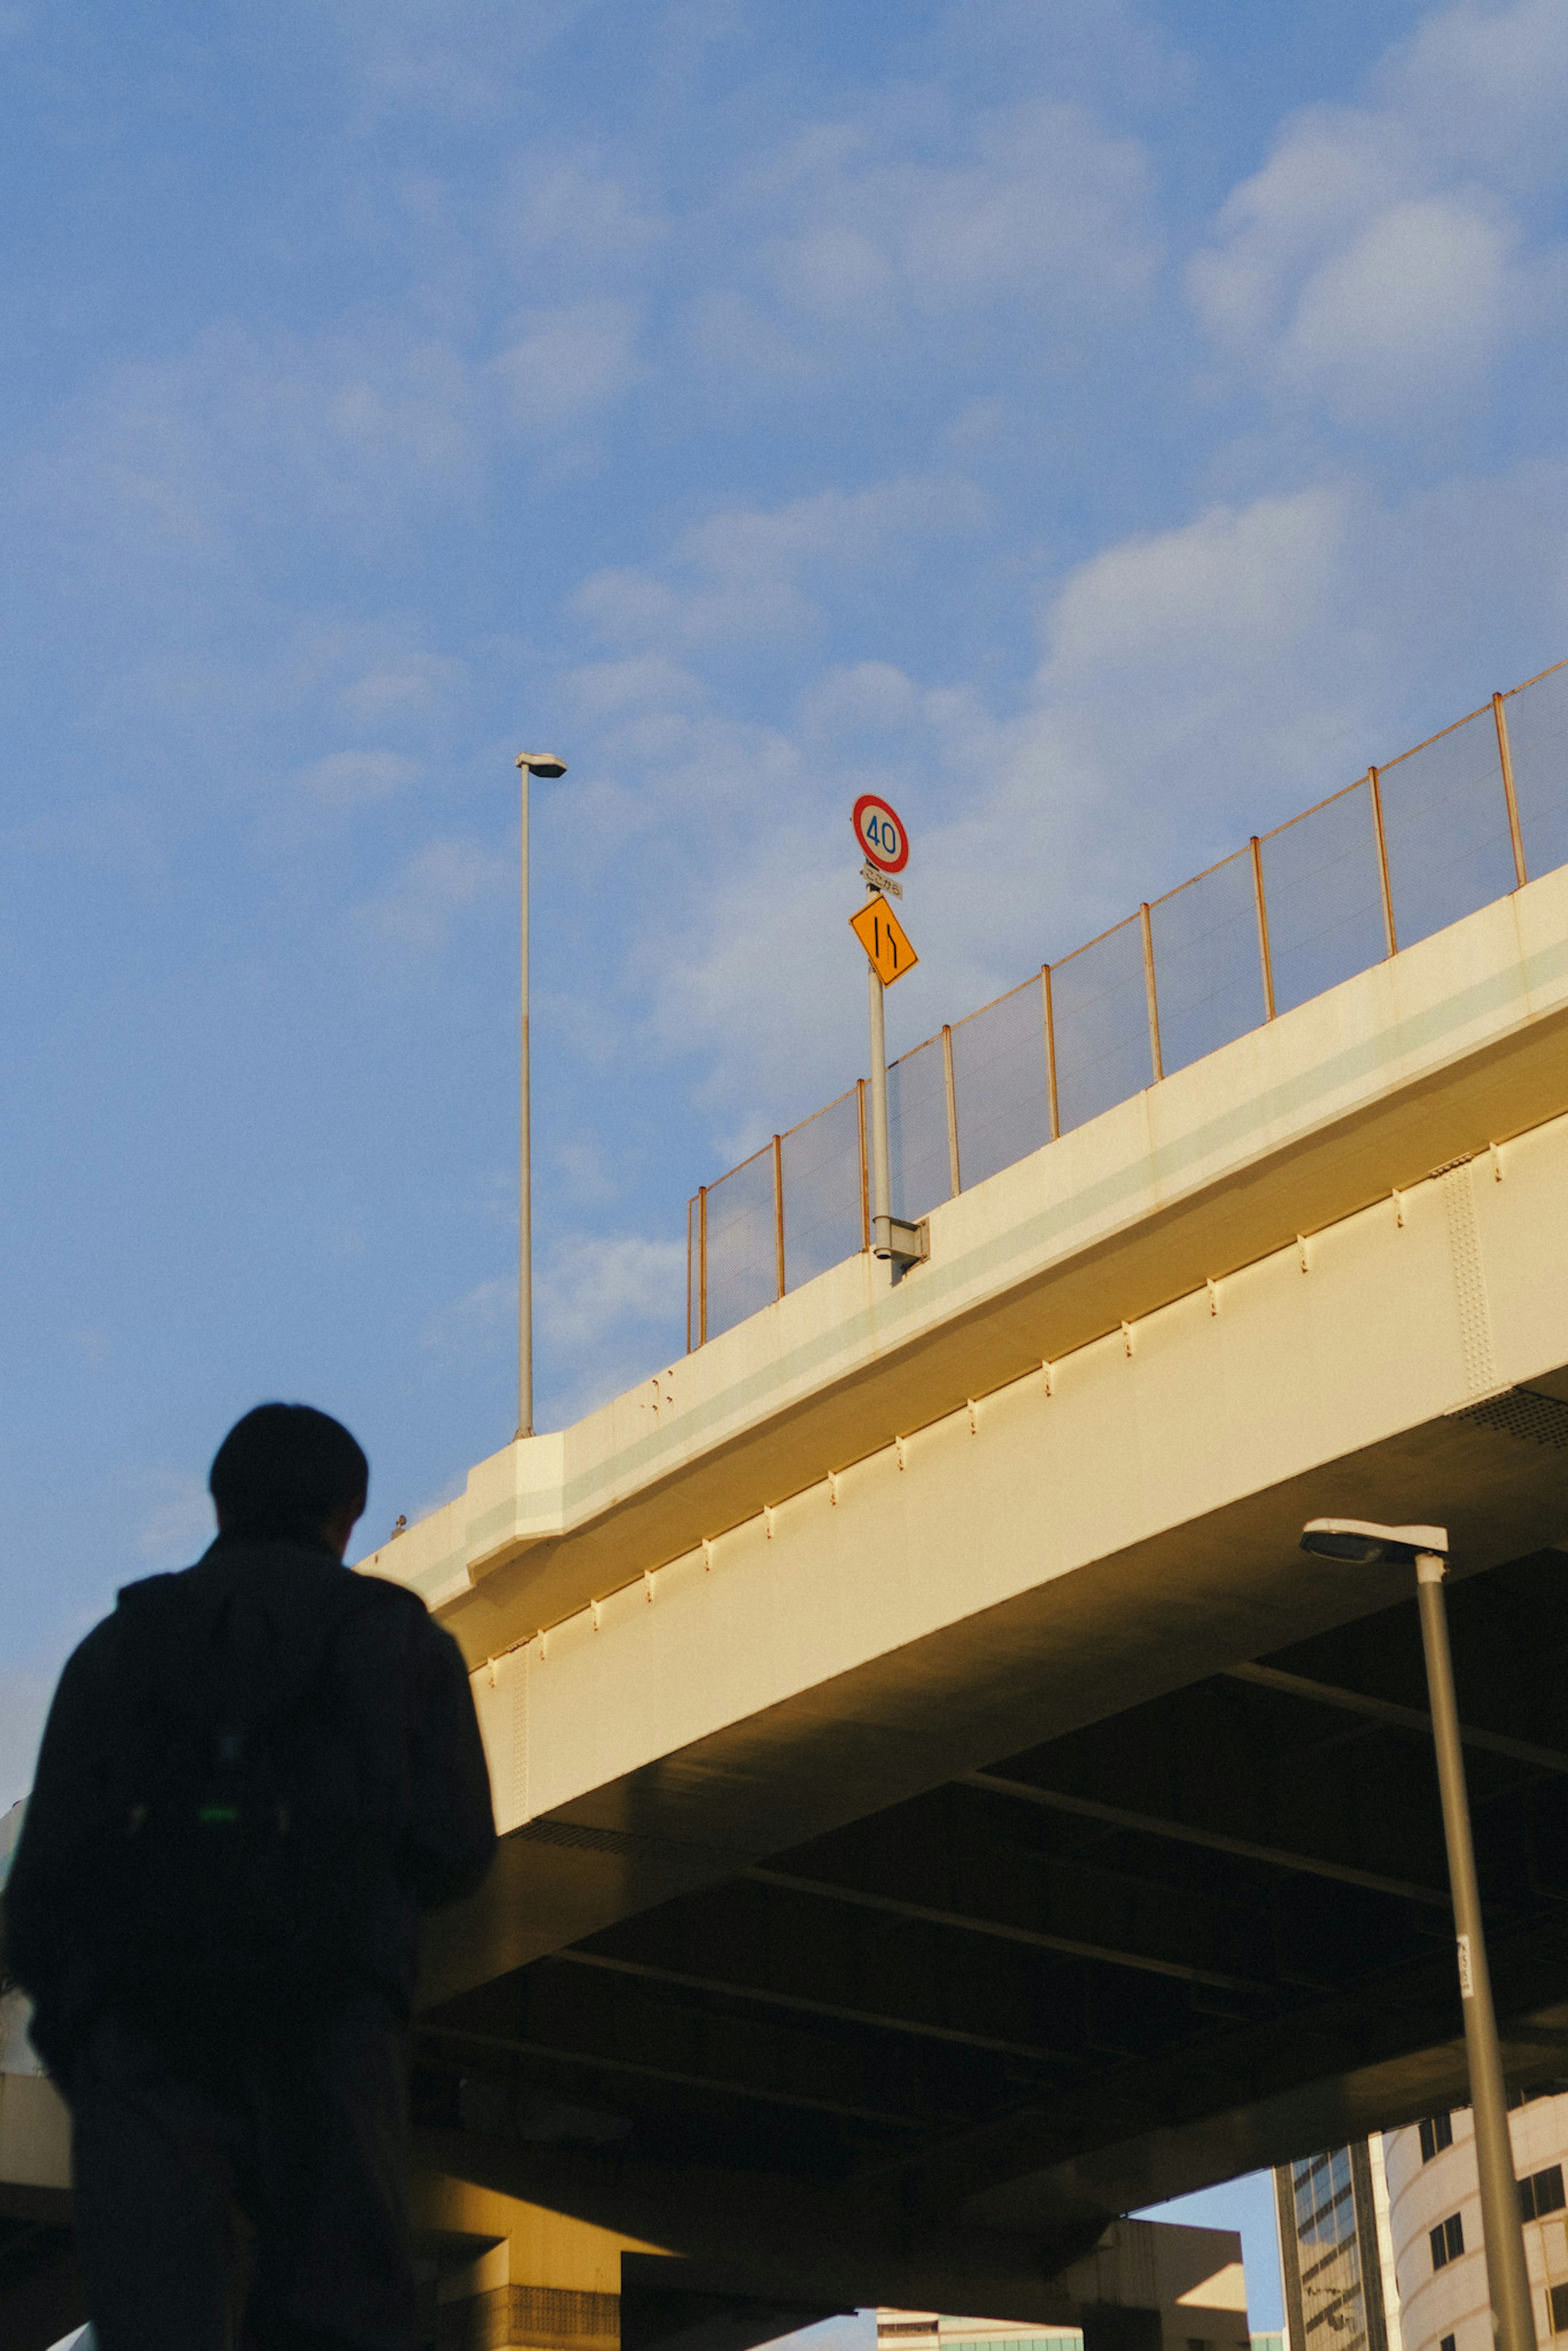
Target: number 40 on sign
882, 936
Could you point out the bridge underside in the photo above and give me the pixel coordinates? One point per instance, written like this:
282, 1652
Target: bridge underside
924, 2057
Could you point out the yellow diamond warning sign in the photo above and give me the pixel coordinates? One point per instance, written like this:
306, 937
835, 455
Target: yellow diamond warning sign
882, 935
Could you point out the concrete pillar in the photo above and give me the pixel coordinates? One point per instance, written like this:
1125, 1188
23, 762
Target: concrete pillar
503, 2275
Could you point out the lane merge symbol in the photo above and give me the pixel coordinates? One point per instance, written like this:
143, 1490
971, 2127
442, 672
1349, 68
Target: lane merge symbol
883, 937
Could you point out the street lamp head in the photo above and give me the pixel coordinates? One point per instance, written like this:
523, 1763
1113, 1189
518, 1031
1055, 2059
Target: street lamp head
1361, 1541
542, 763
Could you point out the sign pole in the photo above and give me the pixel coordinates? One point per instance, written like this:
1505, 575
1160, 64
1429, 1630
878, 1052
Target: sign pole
884, 844
881, 1184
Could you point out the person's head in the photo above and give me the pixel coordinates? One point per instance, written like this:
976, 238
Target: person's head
286, 1470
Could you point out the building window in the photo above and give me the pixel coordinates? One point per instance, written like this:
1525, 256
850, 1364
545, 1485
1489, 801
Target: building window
1448, 2241
1560, 2310
1437, 2132
1541, 2193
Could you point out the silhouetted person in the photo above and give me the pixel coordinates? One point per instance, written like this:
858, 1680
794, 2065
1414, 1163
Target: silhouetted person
255, 1776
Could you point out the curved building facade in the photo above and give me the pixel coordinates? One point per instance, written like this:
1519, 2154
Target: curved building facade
1434, 2222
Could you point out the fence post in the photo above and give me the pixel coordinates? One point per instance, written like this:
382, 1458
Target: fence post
1263, 929
952, 1110
778, 1210
865, 1172
701, 1264
691, 1214
1382, 862
1050, 1051
1506, 756
1149, 988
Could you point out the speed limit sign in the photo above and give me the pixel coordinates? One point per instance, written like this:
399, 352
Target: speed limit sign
879, 829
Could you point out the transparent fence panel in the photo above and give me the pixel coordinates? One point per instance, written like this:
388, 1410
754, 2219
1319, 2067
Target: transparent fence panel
1450, 849
742, 1243
1100, 1013
999, 1083
693, 1274
1324, 896
821, 1161
1536, 719
1444, 824
1208, 965
920, 1172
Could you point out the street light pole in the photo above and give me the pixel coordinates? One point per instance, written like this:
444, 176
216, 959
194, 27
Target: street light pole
1502, 2231
1514, 2316
529, 763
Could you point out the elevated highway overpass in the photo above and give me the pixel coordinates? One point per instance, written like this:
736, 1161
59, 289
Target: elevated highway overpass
942, 1810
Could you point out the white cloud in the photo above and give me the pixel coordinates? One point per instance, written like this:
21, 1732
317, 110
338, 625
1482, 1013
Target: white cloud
608, 690
593, 1286
1028, 203
1408, 314
598, 1301
572, 220
456, 59
409, 685
469, 1325
763, 575
1207, 600
565, 366
1490, 83
866, 694
1378, 264
1196, 684
414, 917
346, 779
244, 436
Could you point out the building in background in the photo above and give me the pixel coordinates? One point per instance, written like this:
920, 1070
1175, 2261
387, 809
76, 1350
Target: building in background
1380, 2243
1192, 2277
1336, 2251
1436, 2216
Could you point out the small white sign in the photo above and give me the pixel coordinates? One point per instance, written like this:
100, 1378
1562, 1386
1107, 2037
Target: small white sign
1466, 1979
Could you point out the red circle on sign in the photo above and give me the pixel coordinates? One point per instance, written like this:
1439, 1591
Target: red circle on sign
880, 831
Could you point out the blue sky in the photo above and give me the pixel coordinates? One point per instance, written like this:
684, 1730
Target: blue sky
1104, 425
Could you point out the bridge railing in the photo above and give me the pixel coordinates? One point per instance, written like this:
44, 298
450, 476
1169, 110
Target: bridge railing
1404, 851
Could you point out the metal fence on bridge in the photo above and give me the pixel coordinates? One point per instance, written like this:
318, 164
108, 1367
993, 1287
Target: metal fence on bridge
1408, 848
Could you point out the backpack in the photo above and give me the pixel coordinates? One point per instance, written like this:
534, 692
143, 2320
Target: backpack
250, 1830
